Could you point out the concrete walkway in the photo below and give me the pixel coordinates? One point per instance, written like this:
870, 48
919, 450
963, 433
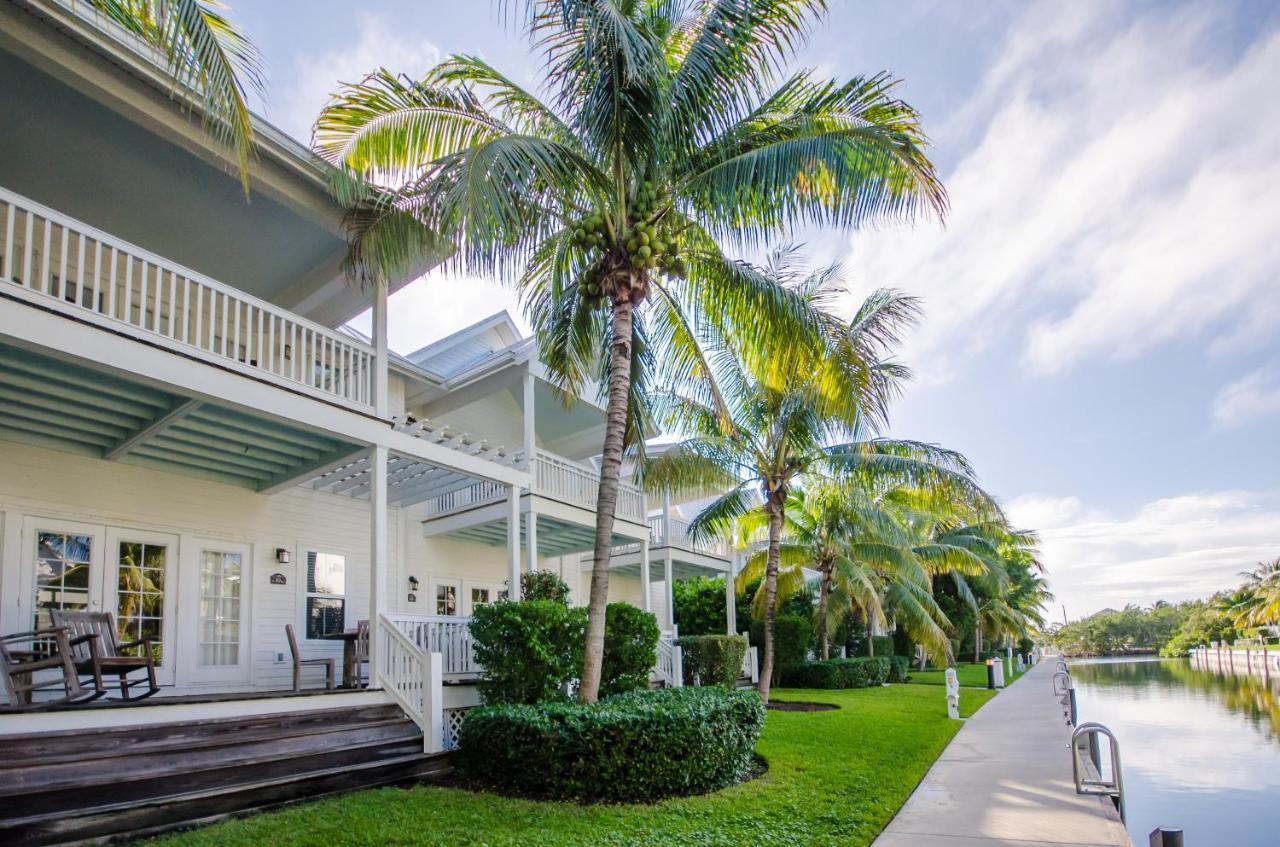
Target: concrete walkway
1005, 779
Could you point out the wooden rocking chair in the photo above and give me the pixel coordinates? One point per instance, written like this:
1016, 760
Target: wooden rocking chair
104, 655
47, 649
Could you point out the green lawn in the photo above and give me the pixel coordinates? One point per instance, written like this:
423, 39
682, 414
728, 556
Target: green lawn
971, 676
834, 777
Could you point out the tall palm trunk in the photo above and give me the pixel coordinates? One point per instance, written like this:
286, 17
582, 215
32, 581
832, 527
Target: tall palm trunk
776, 510
977, 642
610, 471
871, 641
824, 593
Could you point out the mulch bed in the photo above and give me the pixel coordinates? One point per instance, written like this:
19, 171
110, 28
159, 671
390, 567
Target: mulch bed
800, 706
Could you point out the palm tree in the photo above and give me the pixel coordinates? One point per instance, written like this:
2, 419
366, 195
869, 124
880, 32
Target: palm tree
752, 434
206, 54
665, 130
1260, 604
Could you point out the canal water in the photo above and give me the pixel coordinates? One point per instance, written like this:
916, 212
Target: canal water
1199, 751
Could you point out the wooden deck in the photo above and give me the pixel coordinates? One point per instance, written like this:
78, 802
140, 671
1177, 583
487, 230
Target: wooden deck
122, 781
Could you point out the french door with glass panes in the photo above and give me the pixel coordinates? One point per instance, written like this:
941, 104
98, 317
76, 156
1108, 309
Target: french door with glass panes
140, 581
88, 567
219, 629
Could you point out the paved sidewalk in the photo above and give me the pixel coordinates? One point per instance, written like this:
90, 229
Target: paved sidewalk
1005, 779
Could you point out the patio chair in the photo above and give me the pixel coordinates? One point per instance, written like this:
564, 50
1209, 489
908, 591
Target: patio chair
104, 655
361, 658
298, 662
47, 650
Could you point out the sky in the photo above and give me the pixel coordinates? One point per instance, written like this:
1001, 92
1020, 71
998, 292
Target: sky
1102, 306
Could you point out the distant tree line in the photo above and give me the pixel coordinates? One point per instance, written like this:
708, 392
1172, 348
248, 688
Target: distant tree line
1247, 611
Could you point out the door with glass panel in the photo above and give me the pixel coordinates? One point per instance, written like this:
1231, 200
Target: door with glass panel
63, 569
140, 590
222, 612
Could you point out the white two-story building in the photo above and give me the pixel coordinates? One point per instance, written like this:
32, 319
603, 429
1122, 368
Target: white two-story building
191, 441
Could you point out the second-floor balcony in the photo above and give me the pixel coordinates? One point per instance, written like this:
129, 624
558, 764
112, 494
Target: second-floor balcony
554, 478
56, 262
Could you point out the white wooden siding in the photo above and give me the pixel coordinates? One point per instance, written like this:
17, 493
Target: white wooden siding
58, 485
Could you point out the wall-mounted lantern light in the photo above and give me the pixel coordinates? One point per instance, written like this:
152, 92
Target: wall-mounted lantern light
413, 583
282, 555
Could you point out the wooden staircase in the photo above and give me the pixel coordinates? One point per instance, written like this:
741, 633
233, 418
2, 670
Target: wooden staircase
100, 784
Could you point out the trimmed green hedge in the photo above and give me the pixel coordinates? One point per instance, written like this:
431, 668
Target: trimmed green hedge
635, 747
630, 648
863, 672
792, 639
530, 650
712, 659
899, 669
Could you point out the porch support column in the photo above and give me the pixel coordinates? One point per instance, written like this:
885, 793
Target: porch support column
646, 589
513, 542
671, 603
381, 403
731, 596
377, 553
531, 539
530, 424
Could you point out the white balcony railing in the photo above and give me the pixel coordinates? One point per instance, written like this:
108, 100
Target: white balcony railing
450, 636
674, 532
553, 477
60, 262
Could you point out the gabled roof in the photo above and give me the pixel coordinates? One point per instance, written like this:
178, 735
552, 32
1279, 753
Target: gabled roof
478, 347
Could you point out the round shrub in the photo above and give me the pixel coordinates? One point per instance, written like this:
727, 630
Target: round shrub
530, 650
630, 648
543, 585
635, 747
899, 669
712, 659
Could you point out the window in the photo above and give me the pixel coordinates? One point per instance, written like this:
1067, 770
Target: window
481, 596
62, 573
326, 593
446, 599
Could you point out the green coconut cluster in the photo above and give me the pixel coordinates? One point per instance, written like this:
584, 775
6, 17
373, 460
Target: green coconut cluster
650, 244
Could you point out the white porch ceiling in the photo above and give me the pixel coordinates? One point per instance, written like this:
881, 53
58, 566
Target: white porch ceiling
73, 407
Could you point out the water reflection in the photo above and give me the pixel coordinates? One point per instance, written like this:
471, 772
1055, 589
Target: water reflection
1200, 751
1249, 696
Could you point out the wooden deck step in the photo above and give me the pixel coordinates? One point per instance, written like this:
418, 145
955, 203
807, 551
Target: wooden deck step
118, 781
69, 745
100, 824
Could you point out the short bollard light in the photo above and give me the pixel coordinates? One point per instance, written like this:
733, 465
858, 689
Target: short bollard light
953, 694
991, 674
1163, 837
1000, 683
1022, 665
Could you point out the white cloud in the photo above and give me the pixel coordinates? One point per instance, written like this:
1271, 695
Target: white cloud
1251, 397
376, 43
1124, 195
1174, 548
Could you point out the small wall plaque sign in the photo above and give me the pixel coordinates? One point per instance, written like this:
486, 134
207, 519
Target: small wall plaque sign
278, 579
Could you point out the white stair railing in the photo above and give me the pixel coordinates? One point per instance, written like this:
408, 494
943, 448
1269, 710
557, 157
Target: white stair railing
413, 678
669, 667
751, 664
62, 263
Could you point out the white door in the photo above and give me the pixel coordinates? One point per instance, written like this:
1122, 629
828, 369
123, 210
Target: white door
140, 589
219, 628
